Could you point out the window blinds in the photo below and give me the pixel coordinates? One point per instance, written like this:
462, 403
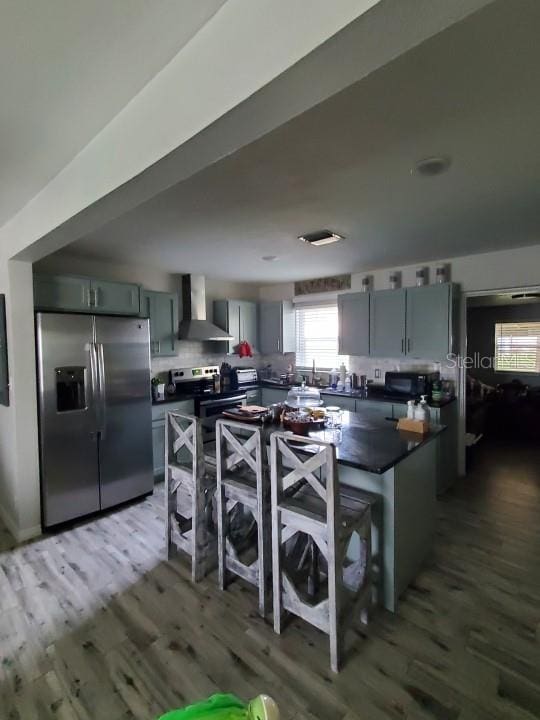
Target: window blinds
317, 335
517, 347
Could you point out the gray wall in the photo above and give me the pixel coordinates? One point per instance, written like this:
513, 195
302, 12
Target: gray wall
481, 338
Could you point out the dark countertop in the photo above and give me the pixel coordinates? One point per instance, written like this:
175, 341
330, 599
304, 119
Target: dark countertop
375, 393
371, 445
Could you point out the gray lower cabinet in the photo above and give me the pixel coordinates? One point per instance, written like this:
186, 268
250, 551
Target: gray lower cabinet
429, 316
387, 323
82, 294
162, 310
269, 396
62, 292
353, 321
239, 319
159, 413
254, 397
447, 445
276, 327
345, 403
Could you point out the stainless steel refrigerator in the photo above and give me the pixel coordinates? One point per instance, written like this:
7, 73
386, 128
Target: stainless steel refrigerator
95, 413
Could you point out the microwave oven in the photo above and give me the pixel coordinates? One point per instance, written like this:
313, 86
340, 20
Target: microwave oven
409, 384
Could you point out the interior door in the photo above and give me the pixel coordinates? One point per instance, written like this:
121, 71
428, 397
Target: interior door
67, 420
387, 323
125, 447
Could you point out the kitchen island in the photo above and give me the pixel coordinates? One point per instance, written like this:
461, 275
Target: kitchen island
399, 471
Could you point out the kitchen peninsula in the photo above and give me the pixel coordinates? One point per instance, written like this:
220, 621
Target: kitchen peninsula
399, 471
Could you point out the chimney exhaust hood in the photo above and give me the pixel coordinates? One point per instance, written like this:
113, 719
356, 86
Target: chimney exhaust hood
194, 325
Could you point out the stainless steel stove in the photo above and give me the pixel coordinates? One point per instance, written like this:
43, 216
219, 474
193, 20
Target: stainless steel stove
198, 383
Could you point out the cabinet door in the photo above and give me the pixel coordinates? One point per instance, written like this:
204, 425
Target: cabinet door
345, 403
428, 321
353, 317
115, 298
273, 395
248, 323
269, 327
164, 318
387, 323
62, 292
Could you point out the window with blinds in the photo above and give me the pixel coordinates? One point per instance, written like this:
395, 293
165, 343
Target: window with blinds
317, 336
517, 347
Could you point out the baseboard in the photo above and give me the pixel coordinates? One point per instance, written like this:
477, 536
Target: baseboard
18, 535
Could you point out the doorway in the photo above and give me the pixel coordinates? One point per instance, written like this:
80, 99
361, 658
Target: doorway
501, 374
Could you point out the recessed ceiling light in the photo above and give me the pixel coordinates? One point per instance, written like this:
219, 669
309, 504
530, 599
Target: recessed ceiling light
269, 258
431, 166
321, 237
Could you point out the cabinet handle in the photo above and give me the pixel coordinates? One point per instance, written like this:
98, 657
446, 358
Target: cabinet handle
278, 343
89, 298
402, 345
159, 346
409, 345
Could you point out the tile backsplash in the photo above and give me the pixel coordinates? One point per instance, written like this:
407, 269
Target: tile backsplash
194, 354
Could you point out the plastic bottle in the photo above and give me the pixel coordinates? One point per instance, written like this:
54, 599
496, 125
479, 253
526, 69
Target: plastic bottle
347, 387
421, 411
342, 374
410, 409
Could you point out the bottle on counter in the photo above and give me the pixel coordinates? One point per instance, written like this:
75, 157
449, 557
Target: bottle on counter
342, 374
347, 386
421, 411
410, 409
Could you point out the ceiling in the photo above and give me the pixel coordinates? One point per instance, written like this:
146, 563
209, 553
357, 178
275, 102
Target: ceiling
470, 92
505, 299
67, 68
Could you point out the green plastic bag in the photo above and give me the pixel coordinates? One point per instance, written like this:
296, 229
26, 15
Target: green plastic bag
217, 707
227, 707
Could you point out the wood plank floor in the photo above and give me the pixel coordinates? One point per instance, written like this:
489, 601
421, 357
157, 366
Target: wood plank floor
95, 624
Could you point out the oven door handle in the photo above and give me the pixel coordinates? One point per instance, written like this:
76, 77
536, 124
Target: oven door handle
224, 401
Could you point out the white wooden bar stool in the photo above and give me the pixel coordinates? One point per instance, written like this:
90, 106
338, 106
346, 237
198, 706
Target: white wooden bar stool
189, 492
338, 530
242, 485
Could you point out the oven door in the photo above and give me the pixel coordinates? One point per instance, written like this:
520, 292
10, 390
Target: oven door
210, 410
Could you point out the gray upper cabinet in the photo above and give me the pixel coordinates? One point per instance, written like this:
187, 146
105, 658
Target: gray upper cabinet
115, 298
239, 319
276, 327
82, 294
428, 321
162, 309
353, 317
62, 292
387, 323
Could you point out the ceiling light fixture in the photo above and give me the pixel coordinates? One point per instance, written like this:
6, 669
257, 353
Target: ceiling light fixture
431, 166
269, 258
321, 237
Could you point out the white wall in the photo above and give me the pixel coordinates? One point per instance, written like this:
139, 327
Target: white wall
19, 466
486, 271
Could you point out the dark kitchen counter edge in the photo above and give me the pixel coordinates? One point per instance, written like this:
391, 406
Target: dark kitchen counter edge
375, 395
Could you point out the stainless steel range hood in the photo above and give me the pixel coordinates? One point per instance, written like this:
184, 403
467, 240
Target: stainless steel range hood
194, 325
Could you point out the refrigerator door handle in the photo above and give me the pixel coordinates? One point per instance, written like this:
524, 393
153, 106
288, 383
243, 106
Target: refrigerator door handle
94, 379
102, 392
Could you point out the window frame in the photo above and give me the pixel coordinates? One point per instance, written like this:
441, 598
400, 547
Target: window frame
496, 354
321, 303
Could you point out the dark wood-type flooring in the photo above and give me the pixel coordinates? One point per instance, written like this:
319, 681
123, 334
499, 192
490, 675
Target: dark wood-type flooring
96, 625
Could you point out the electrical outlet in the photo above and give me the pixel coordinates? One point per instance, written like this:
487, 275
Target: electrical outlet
377, 374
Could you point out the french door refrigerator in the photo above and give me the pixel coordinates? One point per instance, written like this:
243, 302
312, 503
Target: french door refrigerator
95, 415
